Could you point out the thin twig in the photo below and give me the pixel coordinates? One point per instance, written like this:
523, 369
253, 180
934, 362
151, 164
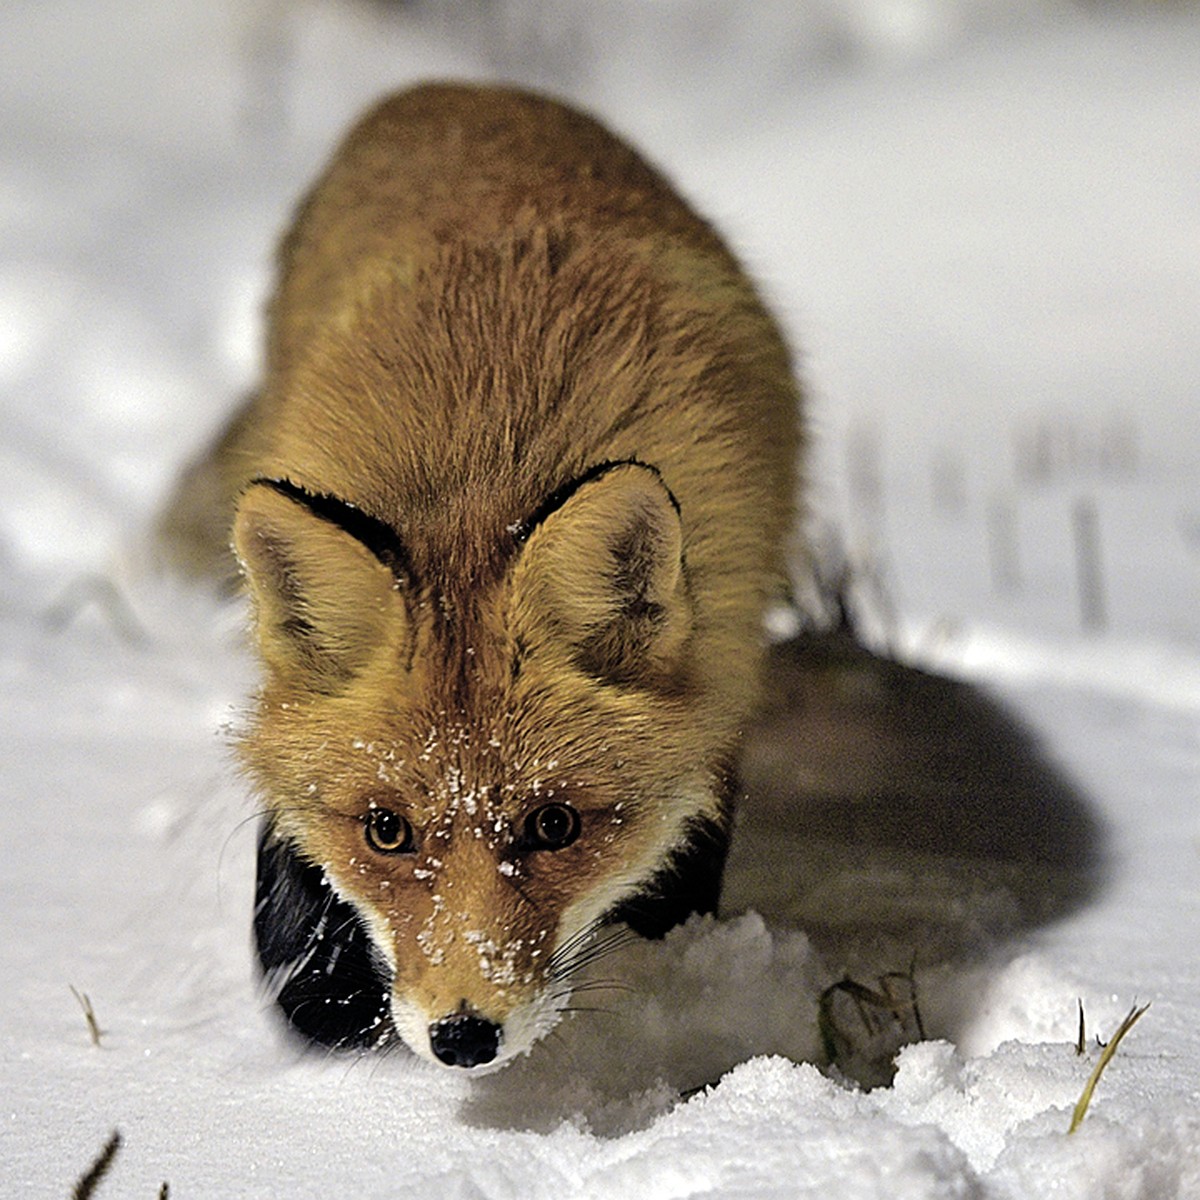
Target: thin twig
108, 598
89, 1014
1131, 1019
99, 1168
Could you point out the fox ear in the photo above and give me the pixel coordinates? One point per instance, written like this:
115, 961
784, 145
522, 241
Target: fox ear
601, 578
324, 602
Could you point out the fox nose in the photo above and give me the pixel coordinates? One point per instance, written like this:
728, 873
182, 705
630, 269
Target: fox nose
464, 1040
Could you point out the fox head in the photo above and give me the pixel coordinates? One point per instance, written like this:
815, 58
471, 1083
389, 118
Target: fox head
485, 777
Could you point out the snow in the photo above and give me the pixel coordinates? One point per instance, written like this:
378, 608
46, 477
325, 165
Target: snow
980, 222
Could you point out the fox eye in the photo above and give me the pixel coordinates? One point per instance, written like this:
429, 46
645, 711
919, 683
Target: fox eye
550, 827
388, 832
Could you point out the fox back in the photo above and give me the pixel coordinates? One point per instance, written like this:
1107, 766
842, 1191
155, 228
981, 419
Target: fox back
510, 506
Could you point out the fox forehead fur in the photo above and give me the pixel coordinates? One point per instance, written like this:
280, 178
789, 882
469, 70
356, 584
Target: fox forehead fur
510, 505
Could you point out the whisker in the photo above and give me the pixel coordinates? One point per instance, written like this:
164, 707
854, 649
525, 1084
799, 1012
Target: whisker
587, 941
573, 943
354, 1060
378, 1054
237, 828
571, 970
588, 954
606, 945
555, 1040
597, 985
585, 934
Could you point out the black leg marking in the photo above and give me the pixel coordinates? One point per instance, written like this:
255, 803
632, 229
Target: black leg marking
690, 883
316, 955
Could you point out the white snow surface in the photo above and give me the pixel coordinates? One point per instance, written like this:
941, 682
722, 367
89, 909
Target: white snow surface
981, 224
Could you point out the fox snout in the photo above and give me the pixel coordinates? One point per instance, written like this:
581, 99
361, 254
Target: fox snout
334, 985
464, 1040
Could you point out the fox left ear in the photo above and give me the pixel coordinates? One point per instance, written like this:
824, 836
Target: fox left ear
324, 602
601, 578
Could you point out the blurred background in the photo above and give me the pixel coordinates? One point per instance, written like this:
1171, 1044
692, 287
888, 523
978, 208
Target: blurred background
979, 221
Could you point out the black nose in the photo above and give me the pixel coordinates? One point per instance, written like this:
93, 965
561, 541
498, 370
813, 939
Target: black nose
464, 1041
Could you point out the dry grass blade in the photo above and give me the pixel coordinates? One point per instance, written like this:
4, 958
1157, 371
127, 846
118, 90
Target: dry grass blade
1131, 1019
89, 1014
95, 1173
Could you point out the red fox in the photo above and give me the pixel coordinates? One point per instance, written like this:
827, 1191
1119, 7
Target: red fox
510, 506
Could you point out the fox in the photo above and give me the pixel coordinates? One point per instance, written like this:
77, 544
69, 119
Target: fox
510, 506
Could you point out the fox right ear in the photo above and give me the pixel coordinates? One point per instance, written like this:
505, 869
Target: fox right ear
324, 603
602, 578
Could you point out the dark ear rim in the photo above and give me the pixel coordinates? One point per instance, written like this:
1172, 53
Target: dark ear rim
380, 538
561, 494
298, 597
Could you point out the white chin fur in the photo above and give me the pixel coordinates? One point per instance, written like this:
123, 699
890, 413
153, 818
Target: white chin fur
520, 1031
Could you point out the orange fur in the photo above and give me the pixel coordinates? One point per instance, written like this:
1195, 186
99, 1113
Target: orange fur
484, 300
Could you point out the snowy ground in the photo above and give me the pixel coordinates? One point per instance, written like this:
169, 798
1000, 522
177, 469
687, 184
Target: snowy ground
982, 223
